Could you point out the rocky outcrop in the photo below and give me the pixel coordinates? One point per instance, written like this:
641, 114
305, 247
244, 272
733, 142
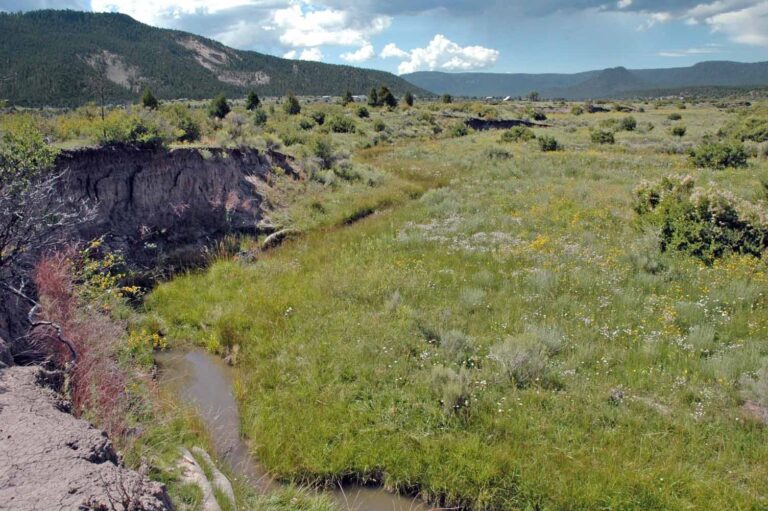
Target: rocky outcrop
151, 201
486, 124
162, 208
51, 460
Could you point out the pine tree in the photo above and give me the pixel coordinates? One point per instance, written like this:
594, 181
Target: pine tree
292, 106
347, 98
408, 98
252, 102
148, 100
219, 107
373, 98
387, 98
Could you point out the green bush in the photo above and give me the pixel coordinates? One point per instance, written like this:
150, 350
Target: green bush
706, 224
678, 131
363, 113
752, 126
122, 128
322, 149
219, 108
379, 126
306, 123
517, 134
291, 105
148, 100
446, 98
186, 128
674, 116
548, 143
339, 124
577, 110
458, 130
318, 117
252, 101
628, 123
259, 117
602, 137
719, 155
408, 98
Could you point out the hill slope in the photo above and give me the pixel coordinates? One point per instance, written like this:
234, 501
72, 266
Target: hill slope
613, 82
59, 58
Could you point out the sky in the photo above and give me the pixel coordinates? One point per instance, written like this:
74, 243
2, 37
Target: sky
502, 36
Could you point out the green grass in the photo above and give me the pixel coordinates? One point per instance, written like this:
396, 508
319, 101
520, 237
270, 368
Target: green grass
510, 339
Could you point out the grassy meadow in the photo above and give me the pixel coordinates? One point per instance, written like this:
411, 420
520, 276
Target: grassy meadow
504, 331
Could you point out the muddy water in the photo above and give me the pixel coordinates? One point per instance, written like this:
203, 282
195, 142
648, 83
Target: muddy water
205, 382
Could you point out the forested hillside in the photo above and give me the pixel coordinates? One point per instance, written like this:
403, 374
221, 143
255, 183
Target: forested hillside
65, 58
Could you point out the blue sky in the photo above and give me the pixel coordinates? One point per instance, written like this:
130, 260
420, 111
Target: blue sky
465, 35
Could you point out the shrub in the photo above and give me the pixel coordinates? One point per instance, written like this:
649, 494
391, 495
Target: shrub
322, 148
458, 130
524, 360
674, 116
306, 123
291, 105
628, 123
252, 101
753, 126
373, 98
259, 117
458, 348
452, 388
339, 124
706, 224
538, 115
408, 98
602, 137
577, 110
219, 108
318, 117
148, 100
548, 143
122, 128
387, 98
446, 98
379, 126
496, 153
719, 155
678, 131
347, 98
517, 134
363, 113
186, 128
755, 387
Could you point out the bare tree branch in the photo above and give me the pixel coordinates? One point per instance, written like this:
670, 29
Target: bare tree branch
33, 324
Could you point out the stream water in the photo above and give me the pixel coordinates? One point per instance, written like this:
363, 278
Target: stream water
205, 381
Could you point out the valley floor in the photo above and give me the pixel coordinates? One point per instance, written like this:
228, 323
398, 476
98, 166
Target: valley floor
511, 338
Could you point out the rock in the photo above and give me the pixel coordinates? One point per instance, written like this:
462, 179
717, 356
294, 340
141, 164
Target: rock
6, 358
192, 473
220, 481
52, 460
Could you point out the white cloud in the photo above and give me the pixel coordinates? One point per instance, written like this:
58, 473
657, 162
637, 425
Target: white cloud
156, 11
442, 53
623, 4
312, 28
746, 26
392, 51
366, 52
689, 52
306, 54
653, 19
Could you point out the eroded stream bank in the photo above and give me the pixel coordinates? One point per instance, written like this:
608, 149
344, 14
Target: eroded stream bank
205, 382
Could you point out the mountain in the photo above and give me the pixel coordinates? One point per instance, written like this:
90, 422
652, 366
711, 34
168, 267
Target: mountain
65, 58
607, 83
